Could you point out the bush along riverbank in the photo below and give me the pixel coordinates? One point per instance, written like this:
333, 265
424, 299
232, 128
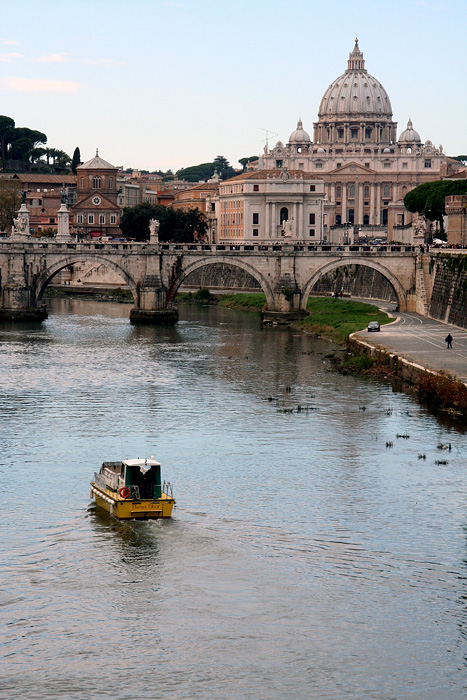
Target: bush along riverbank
443, 394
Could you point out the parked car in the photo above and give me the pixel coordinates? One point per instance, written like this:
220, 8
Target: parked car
373, 326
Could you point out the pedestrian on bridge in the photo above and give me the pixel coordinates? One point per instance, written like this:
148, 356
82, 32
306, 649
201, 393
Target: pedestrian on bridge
449, 341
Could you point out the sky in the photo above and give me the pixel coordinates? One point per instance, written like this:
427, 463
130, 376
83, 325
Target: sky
159, 84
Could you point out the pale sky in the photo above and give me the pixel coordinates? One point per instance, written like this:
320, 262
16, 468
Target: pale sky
158, 84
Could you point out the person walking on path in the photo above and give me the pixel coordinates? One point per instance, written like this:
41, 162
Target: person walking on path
449, 341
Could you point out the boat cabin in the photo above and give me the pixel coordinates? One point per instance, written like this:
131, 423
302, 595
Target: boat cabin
141, 476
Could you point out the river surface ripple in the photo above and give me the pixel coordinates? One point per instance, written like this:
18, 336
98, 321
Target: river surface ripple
312, 554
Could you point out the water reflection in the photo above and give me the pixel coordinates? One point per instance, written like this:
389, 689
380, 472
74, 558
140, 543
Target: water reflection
305, 558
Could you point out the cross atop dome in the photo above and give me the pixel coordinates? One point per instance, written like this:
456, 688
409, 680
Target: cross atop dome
356, 60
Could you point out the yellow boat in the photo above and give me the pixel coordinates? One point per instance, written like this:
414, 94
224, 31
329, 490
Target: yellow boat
133, 489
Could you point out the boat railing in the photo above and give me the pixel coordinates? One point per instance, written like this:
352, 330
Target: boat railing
168, 488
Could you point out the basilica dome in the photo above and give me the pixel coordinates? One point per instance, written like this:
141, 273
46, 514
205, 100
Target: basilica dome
299, 136
355, 92
409, 135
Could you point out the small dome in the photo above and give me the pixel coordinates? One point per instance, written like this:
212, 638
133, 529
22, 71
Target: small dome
410, 135
299, 136
386, 150
320, 150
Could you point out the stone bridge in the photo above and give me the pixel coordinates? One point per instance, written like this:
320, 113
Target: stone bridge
154, 272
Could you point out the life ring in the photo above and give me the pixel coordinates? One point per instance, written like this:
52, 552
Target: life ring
124, 492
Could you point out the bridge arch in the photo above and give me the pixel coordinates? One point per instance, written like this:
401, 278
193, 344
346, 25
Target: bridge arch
49, 273
364, 262
179, 278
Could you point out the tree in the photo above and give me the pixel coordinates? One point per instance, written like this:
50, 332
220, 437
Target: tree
195, 173
244, 161
224, 168
76, 160
10, 201
428, 199
175, 225
7, 126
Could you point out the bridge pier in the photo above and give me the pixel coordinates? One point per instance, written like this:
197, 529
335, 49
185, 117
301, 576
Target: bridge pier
17, 298
152, 307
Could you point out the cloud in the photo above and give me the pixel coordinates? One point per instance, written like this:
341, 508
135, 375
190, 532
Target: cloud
8, 42
16, 84
52, 58
8, 57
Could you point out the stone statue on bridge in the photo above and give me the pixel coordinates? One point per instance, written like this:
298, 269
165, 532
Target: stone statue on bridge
154, 226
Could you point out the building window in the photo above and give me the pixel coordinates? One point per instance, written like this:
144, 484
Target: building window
82, 183
299, 149
284, 215
318, 165
340, 133
312, 188
368, 133
427, 162
366, 192
352, 191
51, 220
255, 219
312, 231
255, 188
79, 219
96, 183
301, 166
255, 232
312, 220
353, 133
111, 183
338, 192
366, 220
339, 165
113, 218
278, 164
102, 218
367, 165
90, 218
386, 191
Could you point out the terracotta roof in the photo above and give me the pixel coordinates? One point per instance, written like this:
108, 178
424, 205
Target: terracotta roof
96, 163
42, 179
202, 186
271, 175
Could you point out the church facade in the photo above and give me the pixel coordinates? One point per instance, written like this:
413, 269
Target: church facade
367, 169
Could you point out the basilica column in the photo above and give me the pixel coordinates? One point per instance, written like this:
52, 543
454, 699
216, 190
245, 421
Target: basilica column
267, 222
378, 204
295, 220
372, 203
344, 202
300, 231
359, 218
273, 231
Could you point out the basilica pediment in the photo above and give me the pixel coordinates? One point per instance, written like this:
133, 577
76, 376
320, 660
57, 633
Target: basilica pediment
353, 168
95, 200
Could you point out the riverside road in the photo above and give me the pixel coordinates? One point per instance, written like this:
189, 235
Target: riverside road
421, 341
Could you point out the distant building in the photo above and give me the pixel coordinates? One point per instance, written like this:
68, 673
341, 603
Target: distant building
366, 169
96, 212
268, 206
456, 212
43, 196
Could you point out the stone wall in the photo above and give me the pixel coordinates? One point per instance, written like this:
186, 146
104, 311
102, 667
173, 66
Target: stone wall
221, 276
356, 281
448, 300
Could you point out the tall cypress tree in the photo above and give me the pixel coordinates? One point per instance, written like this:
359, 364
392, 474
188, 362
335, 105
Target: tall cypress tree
76, 160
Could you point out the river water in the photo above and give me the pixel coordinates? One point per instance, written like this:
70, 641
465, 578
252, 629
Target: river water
312, 554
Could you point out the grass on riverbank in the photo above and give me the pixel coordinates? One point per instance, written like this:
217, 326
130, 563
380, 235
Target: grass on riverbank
338, 318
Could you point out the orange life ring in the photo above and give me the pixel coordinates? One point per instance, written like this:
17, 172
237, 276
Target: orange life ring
124, 492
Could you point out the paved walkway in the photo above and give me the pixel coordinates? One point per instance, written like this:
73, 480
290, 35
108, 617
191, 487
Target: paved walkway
421, 340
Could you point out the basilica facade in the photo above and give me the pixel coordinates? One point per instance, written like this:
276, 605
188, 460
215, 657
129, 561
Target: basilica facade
366, 167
